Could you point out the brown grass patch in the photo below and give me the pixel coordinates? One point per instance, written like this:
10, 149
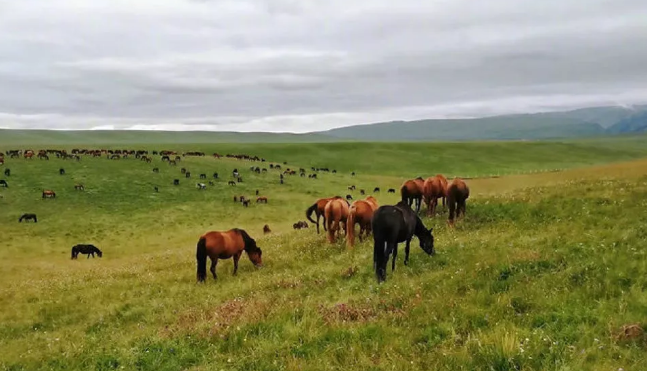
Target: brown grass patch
630, 333
360, 313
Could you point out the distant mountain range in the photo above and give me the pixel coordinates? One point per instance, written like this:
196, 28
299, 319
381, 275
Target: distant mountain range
585, 122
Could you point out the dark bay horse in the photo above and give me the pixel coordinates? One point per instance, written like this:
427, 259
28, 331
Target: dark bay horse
27, 217
411, 191
223, 245
392, 225
85, 249
457, 194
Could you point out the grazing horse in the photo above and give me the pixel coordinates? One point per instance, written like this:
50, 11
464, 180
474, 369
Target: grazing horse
201, 186
203, 176
376, 189
245, 203
411, 190
433, 189
335, 215
49, 194
360, 212
318, 208
392, 225
266, 229
457, 195
231, 183
85, 249
79, 187
176, 181
27, 217
262, 199
7, 172
4, 183
391, 190
223, 245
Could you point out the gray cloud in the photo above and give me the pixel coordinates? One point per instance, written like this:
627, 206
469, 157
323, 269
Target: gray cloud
287, 65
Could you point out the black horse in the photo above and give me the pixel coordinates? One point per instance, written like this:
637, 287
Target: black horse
391, 225
85, 249
27, 217
7, 172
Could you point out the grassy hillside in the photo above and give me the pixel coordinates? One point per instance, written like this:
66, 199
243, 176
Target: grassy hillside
412, 159
102, 137
540, 275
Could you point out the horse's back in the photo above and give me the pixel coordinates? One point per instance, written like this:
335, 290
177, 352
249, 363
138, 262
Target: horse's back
219, 242
387, 222
458, 190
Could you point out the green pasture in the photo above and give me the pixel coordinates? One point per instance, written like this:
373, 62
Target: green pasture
537, 278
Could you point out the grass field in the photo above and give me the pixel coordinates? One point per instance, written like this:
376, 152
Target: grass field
539, 276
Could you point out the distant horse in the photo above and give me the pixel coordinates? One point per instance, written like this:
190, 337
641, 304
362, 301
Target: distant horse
391, 190
262, 199
257, 192
176, 181
266, 229
27, 217
392, 225
246, 203
349, 197
231, 183
376, 189
360, 212
411, 191
211, 183
300, 224
187, 174
362, 192
4, 183
201, 186
61, 171
85, 249
215, 175
7, 172
183, 170
203, 176
457, 195
156, 170
351, 188
79, 187
157, 189
49, 194
336, 214
318, 208
223, 245
433, 189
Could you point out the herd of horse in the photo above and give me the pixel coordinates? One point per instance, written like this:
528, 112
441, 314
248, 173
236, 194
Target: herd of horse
389, 224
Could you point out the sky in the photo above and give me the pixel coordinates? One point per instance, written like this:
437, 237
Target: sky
308, 65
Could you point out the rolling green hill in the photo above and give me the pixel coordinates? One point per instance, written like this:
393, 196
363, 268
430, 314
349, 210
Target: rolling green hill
69, 137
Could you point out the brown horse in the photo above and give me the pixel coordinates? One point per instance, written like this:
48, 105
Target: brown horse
412, 190
433, 189
457, 193
49, 194
318, 208
361, 211
223, 245
266, 229
262, 199
335, 214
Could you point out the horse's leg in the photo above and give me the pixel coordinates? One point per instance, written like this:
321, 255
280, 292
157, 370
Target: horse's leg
318, 223
406, 251
236, 258
395, 254
213, 268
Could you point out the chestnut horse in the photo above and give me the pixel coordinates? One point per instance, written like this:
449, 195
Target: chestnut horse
223, 245
412, 190
335, 215
318, 208
433, 189
361, 211
457, 195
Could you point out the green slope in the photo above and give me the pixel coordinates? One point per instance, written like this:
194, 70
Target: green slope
59, 137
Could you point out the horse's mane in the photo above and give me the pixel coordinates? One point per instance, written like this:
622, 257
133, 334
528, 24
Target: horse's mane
250, 244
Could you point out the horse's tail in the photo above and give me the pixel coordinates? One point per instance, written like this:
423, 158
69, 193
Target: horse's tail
73, 248
404, 194
309, 212
379, 255
350, 227
201, 257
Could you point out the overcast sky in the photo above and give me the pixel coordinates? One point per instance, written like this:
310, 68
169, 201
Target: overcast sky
304, 65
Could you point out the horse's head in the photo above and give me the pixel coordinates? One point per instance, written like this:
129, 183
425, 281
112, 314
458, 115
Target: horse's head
99, 253
256, 257
427, 241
